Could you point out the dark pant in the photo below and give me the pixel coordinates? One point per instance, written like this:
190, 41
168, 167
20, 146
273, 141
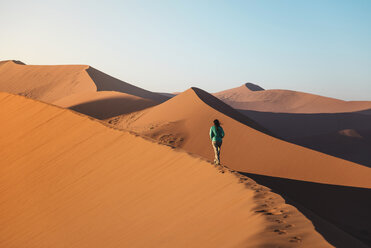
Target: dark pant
217, 146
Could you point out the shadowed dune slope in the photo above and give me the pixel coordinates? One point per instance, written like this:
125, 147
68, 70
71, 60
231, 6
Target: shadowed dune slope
350, 144
344, 135
62, 84
105, 82
104, 104
287, 101
69, 181
185, 121
293, 126
244, 149
308, 120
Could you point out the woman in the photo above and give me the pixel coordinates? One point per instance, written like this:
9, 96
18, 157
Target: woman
216, 136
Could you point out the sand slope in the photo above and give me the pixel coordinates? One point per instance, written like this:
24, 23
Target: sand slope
189, 115
321, 131
69, 181
46, 83
350, 144
71, 85
104, 104
286, 101
185, 120
305, 119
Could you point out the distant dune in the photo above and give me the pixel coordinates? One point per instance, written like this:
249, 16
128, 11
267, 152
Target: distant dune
184, 121
350, 144
170, 95
286, 101
189, 116
305, 119
52, 84
69, 181
104, 104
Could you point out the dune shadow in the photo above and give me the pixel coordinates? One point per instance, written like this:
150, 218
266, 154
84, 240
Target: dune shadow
253, 87
111, 107
354, 149
321, 132
227, 110
105, 82
348, 208
292, 125
365, 112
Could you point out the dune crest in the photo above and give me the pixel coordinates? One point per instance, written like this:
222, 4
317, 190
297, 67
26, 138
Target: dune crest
313, 121
104, 104
184, 121
287, 101
244, 147
62, 84
73, 182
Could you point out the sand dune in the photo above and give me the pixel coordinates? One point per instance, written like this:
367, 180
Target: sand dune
63, 84
322, 132
189, 116
45, 83
185, 120
104, 104
69, 181
308, 120
350, 144
105, 82
287, 101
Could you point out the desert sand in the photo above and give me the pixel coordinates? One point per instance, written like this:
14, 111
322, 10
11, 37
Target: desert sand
252, 97
85, 183
69, 181
344, 135
79, 87
104, 104
189, 116
184, 121
308, 120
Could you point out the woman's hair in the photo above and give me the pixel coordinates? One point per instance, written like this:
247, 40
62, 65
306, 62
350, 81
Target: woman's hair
216, 123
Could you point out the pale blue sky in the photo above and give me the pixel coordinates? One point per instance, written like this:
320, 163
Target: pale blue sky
321, 47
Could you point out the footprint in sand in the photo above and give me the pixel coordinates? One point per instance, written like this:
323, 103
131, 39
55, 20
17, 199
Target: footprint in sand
280, 231
268, 212
295, 239
280, 221
284, 211
220, 169
242, 180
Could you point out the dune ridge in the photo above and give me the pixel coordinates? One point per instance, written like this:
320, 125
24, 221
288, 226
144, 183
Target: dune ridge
62, 84
189, 116
287, 101
72, 182
184, 121
104, 104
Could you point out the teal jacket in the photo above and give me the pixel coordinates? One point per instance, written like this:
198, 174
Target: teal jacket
216, 136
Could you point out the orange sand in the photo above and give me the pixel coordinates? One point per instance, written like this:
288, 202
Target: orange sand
333, 192
104, 104
75, 86
69, 181
287, 101
186, 119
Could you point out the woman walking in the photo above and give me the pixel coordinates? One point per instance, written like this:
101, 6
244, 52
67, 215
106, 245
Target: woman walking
216, 136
